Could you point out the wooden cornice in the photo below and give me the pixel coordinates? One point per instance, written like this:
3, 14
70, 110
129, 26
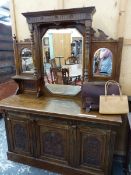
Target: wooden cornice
84, 13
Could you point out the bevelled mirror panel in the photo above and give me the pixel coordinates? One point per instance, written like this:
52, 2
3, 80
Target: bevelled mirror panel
62, 56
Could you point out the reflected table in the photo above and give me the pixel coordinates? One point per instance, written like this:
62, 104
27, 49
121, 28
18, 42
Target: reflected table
75, 70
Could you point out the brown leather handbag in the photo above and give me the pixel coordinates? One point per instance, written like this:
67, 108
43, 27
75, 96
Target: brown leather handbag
91, 91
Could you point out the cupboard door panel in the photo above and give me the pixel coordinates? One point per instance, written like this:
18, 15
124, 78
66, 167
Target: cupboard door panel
19, 134
53, 142
92, 152
95, 149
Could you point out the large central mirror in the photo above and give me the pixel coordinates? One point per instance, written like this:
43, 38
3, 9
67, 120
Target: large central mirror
62, 51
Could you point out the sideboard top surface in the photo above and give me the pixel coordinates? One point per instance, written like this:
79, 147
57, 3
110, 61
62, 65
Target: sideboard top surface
57, 107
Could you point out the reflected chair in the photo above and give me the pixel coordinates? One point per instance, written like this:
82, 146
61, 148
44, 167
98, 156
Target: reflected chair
56, 76
65, 77
72, 60
53, 63
78, 81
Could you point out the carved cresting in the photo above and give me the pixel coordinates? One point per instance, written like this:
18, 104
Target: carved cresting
54, 18
20, 137
92, 151
87, 47
53, 144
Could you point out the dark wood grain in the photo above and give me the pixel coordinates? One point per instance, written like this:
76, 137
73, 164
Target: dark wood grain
66, 108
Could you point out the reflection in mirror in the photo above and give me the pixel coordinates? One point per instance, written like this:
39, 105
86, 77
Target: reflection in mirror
62, 56
27, 61
102, 62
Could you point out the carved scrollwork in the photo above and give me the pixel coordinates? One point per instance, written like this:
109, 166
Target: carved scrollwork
99, 35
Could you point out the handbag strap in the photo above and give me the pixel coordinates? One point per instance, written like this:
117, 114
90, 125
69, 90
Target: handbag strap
112, 82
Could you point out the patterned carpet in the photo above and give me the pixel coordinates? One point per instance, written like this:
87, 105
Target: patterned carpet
11, 168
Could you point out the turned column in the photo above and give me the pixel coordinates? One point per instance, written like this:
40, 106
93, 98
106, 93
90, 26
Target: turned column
87, 42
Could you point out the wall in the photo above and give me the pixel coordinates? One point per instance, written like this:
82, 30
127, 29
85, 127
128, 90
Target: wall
112, 16
125, 76
108, 9
17, 7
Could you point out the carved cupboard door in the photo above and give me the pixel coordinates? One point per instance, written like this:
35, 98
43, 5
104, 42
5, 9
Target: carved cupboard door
95, 150
19, 133
52, 141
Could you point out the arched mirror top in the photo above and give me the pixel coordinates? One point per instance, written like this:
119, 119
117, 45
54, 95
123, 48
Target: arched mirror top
26, 60
102, 62
105, 57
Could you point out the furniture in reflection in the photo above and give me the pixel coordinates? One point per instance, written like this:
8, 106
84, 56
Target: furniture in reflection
59, 62
65, 75
53, 63
72, 74
66, 78
75, 70
72, 60
56, 76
